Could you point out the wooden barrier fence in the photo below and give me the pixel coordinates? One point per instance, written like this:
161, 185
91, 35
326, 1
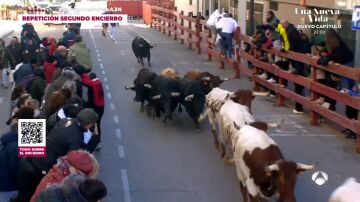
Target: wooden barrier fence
191, 32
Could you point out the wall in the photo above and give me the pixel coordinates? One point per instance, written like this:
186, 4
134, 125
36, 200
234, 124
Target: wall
183, 5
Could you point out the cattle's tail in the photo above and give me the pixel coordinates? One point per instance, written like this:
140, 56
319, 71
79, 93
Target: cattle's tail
203, 115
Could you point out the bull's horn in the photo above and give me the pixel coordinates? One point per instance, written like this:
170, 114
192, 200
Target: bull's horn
175, 94
225, 79
273, 125
189, 97
130, 87
206, 78
147, 86
260, 93
156, 97
302, 166
273, 167
232, 95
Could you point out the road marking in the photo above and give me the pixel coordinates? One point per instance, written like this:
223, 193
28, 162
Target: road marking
109, 95
101, 65
107, 87
121, 151
105, 79
125, 183
116, 119
303, 135
103, 72
99, 59
96, 50
95, 46
112, 106
1, 99
118, 133
98, 55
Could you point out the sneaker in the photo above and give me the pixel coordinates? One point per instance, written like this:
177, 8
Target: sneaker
263, 75
297, 112
271, 80
326, 105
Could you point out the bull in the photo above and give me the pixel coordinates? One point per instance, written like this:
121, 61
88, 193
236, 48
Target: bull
261, 168
164, 93
170, 72
141, 49
193, 99
215, 100
142, 86
208, 80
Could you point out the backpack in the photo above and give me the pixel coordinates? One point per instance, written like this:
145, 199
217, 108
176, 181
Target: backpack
26, 82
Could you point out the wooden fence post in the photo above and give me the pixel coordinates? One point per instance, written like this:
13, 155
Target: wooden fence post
198, 35
189, 33
210, 47
182, 30
170, 17
314, 117
176, 23
237, 62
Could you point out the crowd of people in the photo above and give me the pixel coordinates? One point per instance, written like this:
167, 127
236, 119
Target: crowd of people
284, 36
53, 80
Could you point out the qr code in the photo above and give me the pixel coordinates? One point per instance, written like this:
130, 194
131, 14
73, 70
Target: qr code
32, 132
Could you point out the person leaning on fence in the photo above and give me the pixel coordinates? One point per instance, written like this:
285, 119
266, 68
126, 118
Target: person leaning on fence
296, 44
228, 29
210, 23
351, 113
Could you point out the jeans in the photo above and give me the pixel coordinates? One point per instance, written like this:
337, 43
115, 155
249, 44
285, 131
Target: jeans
226, 44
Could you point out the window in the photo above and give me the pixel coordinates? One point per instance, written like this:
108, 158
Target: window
273, 5
190, 2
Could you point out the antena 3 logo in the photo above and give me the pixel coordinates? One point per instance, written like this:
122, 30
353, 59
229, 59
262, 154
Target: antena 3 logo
320, 177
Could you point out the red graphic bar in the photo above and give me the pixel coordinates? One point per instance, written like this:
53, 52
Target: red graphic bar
32, 151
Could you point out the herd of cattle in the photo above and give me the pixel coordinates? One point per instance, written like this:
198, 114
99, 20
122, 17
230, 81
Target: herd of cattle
260, 165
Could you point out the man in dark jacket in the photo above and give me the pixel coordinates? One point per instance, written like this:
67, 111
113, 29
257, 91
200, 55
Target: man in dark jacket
67, 135
38, 85
297, 44
13, 53
24, 70
9, 160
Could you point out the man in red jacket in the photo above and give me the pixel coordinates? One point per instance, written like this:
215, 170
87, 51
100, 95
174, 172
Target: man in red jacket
95, 96
50, 66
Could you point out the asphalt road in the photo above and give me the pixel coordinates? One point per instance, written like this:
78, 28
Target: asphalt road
142, 161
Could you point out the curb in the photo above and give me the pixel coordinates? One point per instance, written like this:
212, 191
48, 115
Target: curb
7, 34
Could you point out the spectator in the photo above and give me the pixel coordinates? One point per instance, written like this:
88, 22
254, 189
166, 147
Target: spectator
24, 71
30, 47
52, 45
75, 188
17, 92
3, 64
14, 53
9, 162
351, 113
66, 136
80, 54
60, 55
70, 110
38, 84
300, 46
24, 112
22, 101
75, 162
213, 19
338, 53
50, 66
228, 29
57, 100
69, 37
96, 98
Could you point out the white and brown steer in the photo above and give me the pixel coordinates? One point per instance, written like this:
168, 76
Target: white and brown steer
261, 168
